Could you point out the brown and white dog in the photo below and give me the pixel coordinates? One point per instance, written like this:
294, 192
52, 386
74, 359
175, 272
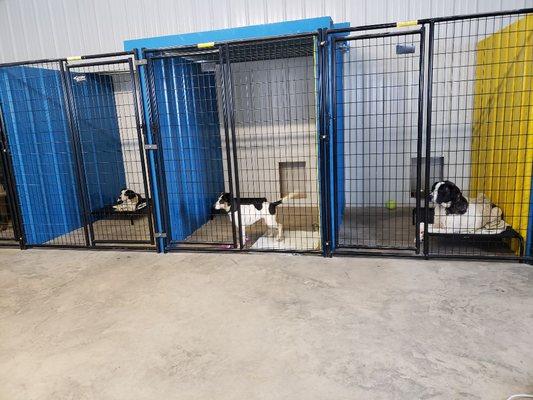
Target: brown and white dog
254, 209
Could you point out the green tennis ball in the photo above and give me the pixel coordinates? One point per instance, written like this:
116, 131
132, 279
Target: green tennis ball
391, 204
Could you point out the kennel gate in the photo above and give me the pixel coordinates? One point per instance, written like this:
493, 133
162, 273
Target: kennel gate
472, 123
377, 118
107, 120
74, 138
240, 118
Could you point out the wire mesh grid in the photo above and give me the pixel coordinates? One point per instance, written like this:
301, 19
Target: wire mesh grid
481, 129
274, 93
107, 120
377, 99
7, 228
39, 142
186, 108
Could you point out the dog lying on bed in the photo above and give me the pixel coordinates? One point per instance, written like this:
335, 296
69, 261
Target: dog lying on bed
254, 209
454, 213
129, 201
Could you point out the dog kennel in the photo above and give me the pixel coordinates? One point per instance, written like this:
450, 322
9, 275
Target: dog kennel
302, 136
73, 133
235, 114
427, 101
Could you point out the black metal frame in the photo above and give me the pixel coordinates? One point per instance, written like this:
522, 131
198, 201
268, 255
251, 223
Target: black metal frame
334, 41
327, 123
220, 52
223, 50
63, 67
424, 132
103, 60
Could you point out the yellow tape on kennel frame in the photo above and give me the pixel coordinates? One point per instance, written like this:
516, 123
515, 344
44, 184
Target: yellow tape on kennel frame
502, 136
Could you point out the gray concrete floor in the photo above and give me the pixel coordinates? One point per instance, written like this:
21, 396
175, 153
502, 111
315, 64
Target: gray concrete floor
110, 325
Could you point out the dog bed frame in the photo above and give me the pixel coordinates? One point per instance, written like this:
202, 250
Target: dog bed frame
507, 233
108, 212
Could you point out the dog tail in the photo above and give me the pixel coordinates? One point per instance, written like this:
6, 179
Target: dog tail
288, 197
294, 195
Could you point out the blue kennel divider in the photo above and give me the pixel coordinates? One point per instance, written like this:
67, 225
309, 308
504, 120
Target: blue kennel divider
32, 102
98, 129
192, 153
336, 131
180, 226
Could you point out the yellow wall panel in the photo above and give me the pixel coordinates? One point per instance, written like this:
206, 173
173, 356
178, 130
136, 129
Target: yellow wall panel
502, 137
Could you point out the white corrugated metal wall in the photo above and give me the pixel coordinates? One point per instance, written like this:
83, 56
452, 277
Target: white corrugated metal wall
31, 29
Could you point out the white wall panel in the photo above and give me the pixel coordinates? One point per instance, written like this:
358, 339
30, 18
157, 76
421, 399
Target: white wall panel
32, 29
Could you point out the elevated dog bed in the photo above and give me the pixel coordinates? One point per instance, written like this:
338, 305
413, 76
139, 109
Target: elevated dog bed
494, 229
108, 212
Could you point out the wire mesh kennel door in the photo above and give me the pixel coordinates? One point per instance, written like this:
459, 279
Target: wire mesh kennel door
377, 110
107, 122
189, 120
274, 127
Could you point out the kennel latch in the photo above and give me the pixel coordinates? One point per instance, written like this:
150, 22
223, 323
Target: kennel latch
160, 235
150, 146
142, 61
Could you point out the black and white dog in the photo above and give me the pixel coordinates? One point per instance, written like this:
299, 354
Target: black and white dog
453, 211
254, 209
129, 201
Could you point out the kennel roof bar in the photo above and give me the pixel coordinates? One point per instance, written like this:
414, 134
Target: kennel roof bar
421, 21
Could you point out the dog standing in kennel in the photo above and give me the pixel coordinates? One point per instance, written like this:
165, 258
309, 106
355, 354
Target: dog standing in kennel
253, 210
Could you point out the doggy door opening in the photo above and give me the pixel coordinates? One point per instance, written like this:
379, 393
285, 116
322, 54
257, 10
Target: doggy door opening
292, 178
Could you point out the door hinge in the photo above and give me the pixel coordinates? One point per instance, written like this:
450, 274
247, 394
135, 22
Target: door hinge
150, 146
142, 61
160, 235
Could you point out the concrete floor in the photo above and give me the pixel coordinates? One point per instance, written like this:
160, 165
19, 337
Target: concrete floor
109, 325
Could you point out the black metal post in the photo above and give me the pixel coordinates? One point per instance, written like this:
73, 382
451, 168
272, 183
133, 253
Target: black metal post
231, 115
428, 133
159, 160
225, 111
78, 152
420, 139
138, 125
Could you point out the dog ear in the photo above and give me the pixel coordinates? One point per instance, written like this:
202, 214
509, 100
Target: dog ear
455, 192
130, 193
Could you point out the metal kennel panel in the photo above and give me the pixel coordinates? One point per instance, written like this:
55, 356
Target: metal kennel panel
376, 88
10, 233
189, 121
273, 85
480, 124
40, 147
106, 119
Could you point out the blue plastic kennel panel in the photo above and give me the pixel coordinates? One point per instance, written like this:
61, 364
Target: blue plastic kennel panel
97, 121
33, 106
190, 135
310, 25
